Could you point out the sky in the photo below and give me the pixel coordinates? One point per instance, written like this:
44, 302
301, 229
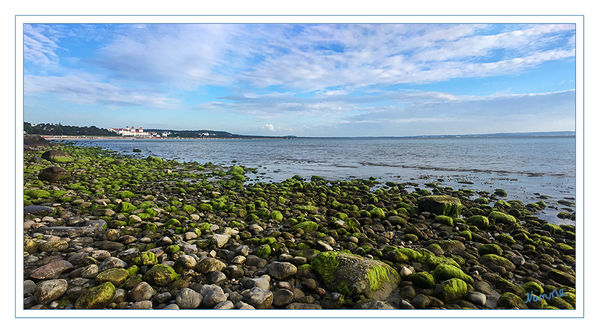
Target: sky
303, 79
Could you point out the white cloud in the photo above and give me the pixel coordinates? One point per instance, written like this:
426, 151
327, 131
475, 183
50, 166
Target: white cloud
37, 47
269, 127
87, 90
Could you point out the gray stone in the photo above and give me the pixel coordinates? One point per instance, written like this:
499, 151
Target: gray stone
243, 306
50, 290
190, 235
185, 262
163, 297
420, 301
53, 174
226, 305
188, 299
213, 297
208, 265
257, 297
90, 271
29, 287
111, 262
252, 260
281, 270
262, 282
404, 272
478, 298
141, 292
305, 306
243, 250
216, 277
282, 297
51, 270
142, 305
379, 305
220, 239
38, 210
171, 307
322, 246
238, 260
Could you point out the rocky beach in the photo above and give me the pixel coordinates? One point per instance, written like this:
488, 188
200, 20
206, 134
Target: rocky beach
108, 231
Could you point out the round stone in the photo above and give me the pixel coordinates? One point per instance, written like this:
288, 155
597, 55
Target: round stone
188, 299
47, 291
142, 292
281, 270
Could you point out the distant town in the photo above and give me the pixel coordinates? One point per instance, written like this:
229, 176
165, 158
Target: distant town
138, 132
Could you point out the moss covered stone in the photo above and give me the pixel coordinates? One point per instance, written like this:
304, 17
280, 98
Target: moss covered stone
552, 228
263, 251
510, 301
490, 249
453, 289
145, 258
422, 280
443, 219
160, 275
502, 218
307, 226
354, 275
446, 272
440, 205
534, 287
276, 215
377, 212
125, 207
466, 234
495, 260
97, 297
116, 276
481, 222
505, 238
562, 277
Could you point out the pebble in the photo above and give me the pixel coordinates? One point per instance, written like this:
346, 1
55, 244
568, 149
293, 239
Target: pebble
190, 235
282, 297
142, 305
171, 307
478, 298
243, 306
50, 290
213, 297
29, 287
163, 297
281, 270
51, 270
216, 277
226, 305
238, 260
220, 239
188, 299
143, 291
90, 271
111, 262
257, 297
208, 265
420, 301
262, 282
405, 272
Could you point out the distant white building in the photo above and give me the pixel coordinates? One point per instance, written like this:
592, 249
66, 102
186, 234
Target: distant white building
135, 132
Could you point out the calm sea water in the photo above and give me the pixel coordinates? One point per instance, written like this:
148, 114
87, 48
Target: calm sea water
524, 167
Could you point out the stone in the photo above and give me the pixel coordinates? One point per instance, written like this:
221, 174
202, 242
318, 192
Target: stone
220, 239
208, 265
90, 271
226, 305
97, 297
53, 174
29, 287
119, 296
238, 260
160, 275
257, 297
420, 301
478, 298
50, 290
353, 275
216, 277
440, 205
282, 297
141, 305
38, 210
142, 292
281, 270
322, 246
116, 276
56, 245
163, 297
213, 297
562, 277
404, 272
188, 299
190, 235
376, 305
510, 301
262, 282
304, 306
252, 260
185, 262
112, 262
453, 289
171, 307
57, 156
51, 270
243, 306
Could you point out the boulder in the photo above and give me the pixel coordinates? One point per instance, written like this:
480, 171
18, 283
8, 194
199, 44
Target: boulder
57, 156
53, 174
440, 205
352, 275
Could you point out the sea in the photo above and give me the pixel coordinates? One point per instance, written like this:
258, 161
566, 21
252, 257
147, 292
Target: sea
528, 168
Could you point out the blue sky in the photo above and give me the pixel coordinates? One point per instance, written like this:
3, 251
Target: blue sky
305, 80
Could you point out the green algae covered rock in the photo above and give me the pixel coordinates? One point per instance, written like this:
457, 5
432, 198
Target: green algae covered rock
96, 297
145, 258
125, 207
446, 272
493, 259
490, 249
116, 276
443, 219
377, 212
276, 215
353, 275
534, 287
440, 205
57, 156
453, 289
422, 280
307, 226
481, 222
510, 301
160, 275
562, 277
263, 251
502, 218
